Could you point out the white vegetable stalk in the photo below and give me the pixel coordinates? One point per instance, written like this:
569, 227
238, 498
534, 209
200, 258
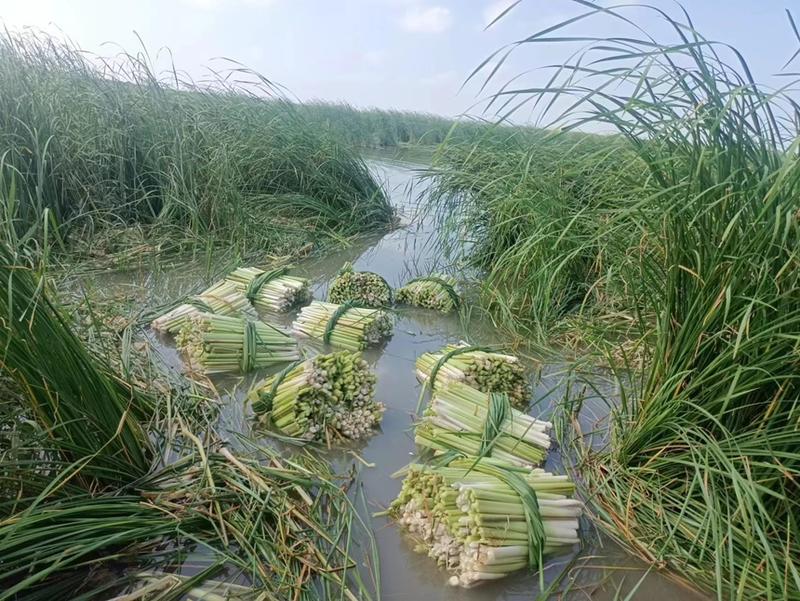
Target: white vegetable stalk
474, 523
223, 298
348, 327
432, 292
456, 419
325, 398
219, 344
484, 370
272, 291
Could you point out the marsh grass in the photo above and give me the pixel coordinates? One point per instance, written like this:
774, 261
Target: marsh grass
382, 128
697, 466
90, 143
529, 212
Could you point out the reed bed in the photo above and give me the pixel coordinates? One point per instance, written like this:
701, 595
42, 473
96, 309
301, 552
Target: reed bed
432, 292
481, 368
279, 524
365, 288
214, 344
483, 519
347, 325
538, 233
380, 128
97, 144
327, 398
223, 298
692, 247
272, 291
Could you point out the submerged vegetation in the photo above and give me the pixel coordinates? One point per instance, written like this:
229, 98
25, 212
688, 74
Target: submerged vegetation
675, 239
90, 145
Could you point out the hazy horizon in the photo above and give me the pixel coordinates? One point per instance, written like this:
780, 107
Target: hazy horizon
388, 54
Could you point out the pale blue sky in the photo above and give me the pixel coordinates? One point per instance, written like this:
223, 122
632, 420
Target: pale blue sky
410, 54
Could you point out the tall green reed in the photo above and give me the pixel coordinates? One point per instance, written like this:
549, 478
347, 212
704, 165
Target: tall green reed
531, 209
698, 469
102, 142
88, 412
387, 128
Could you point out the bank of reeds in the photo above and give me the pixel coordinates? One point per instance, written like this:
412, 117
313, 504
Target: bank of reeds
529, 213
387, 128
89, 144
693, 241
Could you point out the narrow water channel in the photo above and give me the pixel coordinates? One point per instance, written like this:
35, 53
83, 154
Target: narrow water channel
598, 570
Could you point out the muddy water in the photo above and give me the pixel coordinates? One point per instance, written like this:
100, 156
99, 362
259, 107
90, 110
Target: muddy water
598, 570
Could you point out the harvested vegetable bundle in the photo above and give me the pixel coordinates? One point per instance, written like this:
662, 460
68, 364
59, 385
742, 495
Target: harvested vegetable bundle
480, 368
347, 325
271, 290
432, 292
223, 298
219, 343
327, 396
462, 419
366, 288
483, 519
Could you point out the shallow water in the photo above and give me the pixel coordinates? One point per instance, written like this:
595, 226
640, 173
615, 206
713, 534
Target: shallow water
600, 570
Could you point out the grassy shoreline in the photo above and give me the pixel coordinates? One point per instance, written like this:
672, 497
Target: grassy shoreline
90, 147
679, 239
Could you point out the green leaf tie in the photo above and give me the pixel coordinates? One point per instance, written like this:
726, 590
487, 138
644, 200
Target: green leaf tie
199, 303
255, 285
449, 355
499, 412
451, 292
249, 347
335, 317
264, 402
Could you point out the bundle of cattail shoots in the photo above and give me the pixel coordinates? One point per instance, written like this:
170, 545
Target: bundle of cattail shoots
324, 398
432, 292
273, 290
483, 519
462, 419
219, 343
346, 326
366, 288
482, 369
223, 298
